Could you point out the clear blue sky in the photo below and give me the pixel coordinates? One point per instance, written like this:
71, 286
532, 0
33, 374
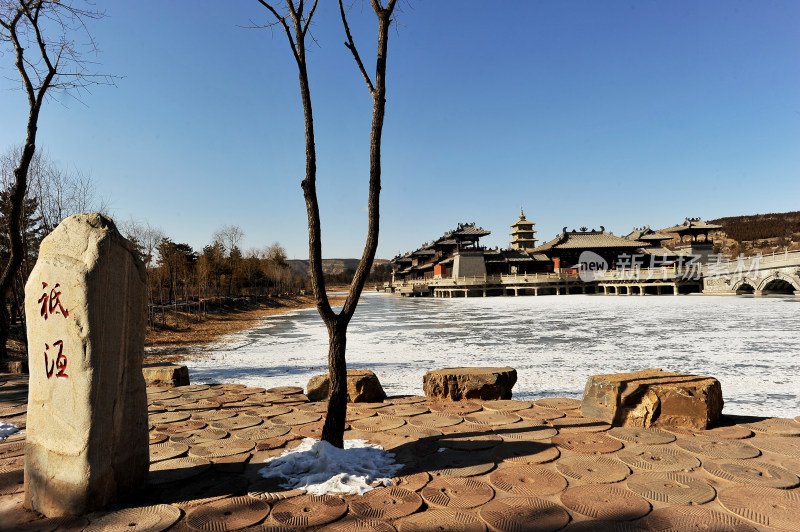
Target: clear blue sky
615, 113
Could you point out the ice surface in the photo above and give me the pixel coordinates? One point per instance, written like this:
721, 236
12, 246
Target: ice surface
319, 468
7, 429
554, 342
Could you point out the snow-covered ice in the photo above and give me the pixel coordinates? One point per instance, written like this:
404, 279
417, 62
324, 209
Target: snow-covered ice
319, 468
554, 342
7, 429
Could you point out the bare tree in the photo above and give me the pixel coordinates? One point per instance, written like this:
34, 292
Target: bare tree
44, 28
295, 25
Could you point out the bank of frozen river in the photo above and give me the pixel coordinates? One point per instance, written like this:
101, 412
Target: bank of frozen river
554, 342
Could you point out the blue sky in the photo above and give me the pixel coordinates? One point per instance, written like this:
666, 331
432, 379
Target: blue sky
585, 113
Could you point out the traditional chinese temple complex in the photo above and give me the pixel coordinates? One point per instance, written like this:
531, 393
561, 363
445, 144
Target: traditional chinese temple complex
457, 256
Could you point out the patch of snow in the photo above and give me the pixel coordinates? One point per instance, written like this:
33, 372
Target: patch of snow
7, 429
319, 468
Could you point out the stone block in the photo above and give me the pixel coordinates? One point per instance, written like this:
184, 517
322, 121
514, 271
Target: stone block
653, 398
363, 386
85, 307
165, 374
456, 384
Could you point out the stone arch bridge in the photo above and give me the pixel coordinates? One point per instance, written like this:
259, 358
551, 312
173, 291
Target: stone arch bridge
778, 273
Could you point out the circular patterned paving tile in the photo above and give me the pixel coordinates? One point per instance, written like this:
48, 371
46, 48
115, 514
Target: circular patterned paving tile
678, 519
261, 432
435, 420
412, 481
784, 446
200, 436
13, 410
297, 417
269, 411
286, 390
506, 405
168, 417
227, 514
587, 443
441, 519
470, 443
525, 431
528, 480
457, 408
386, 503
203, 394
320, 407
177, 469
605, 502
196, 387
594, 469
579, 424
753, 472
734, 432
228, 397
212, 415
490, 417
181, 427
403, 410
378, 423
642, 436
149, 518
165, 451
519, 514
237, 423
407, 399
308, 510
415, 432
604, 526
457, 463
658, 459
559, 403
774, 427
539, 414
155, 437
220, 448
526, 452
357, 524
718, 448
671, 488
12, 480
270, 490
457, 492
770, 507
12, 449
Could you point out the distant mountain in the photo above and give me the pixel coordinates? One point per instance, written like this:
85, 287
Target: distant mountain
330, 266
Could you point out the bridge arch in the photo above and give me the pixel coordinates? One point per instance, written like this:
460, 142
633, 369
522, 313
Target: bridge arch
781, 283
745, 286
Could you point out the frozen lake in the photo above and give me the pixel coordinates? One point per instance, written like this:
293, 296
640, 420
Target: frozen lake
554, 342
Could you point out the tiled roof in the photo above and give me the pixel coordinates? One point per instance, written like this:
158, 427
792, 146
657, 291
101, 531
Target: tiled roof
646, 234
470, 229
587, 240
692, 225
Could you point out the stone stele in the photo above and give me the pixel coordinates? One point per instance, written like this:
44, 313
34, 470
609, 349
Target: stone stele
653, 398
363, 386
456, 384
85, 307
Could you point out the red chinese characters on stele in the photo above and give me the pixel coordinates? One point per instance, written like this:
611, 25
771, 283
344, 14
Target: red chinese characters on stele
51, 304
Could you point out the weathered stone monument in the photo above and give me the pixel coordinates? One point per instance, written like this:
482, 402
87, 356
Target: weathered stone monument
363, 386
85, 306
458, 384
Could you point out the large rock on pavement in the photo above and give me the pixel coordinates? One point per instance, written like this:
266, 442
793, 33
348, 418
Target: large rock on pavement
363, 386
165, 374
653, 398
456, 384
85, 308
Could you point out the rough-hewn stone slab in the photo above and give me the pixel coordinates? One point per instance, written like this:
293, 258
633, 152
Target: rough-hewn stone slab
363, 386
85, 307
169, 375
456, 384
653, 398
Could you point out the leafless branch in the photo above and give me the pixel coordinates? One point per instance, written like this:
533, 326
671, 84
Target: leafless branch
352, 47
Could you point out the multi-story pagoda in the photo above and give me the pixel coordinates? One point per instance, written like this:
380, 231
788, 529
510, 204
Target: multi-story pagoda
522, 234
